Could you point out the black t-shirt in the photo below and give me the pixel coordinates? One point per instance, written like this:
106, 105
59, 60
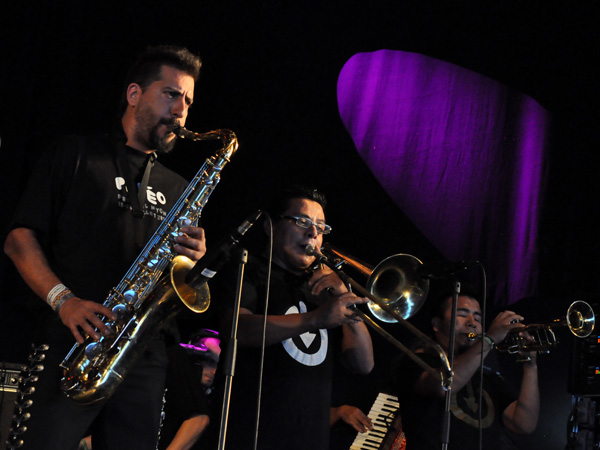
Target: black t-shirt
185, 397
77, 202
422, 416
296, 389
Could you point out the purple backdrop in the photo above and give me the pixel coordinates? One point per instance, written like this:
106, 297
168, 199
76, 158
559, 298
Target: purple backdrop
462, 155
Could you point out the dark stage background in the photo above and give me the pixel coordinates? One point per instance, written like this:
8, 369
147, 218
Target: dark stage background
270, 74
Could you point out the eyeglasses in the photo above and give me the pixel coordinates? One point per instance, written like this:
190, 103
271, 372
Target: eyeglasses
305, 222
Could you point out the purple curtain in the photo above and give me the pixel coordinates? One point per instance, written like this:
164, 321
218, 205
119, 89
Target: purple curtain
462, 155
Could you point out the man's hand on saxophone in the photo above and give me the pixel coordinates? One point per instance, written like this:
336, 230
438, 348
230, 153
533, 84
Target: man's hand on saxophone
192, 243
77, 314
23, 248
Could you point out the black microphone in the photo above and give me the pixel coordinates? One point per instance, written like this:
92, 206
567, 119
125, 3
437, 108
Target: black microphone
442, 269
216, 257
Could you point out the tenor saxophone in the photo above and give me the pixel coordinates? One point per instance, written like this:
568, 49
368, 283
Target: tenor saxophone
151, 292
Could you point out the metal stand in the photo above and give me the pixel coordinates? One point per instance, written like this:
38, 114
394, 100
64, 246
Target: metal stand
229, 367
445, 438
583, 427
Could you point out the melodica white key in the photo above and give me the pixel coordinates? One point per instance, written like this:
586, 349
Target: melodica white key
382, 415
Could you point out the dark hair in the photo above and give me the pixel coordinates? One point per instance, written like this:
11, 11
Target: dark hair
281, 202
146, 69
439, 302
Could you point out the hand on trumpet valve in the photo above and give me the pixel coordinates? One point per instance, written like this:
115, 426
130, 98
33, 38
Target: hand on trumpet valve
528, 357
503, 324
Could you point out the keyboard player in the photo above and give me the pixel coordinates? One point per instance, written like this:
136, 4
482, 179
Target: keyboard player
385, 432
351, 415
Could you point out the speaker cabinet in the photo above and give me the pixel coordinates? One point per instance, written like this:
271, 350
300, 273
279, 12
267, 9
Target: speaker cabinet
584, 377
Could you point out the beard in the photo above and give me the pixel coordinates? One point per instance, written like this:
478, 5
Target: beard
146, 131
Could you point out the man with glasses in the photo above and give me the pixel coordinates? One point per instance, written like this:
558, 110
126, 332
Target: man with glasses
309, 321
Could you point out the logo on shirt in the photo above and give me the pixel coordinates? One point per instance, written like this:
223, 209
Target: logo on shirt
152, 197
309, 349
466, 407
152, 206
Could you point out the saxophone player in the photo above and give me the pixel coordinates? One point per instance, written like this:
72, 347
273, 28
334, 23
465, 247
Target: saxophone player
87, 212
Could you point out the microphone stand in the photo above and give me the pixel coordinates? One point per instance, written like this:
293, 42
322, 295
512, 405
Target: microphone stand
445, 438
229, 367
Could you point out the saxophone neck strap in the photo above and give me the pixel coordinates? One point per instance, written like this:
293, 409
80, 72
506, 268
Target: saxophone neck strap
128, 173
144, 183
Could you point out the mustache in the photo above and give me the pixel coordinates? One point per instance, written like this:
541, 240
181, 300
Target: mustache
169, 122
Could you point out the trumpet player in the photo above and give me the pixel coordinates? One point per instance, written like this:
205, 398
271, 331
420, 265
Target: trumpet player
422, 398
89, 209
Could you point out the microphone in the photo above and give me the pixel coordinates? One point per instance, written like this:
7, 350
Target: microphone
216, 257
442, 269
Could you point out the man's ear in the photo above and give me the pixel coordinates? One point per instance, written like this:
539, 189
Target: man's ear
134, 92
435, 324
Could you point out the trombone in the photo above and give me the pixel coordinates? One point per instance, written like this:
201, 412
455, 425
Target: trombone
395, 292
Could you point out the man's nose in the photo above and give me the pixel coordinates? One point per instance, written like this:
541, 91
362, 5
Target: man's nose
312, 231
179, 108
471, 322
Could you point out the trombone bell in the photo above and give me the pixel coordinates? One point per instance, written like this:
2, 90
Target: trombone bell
396, 281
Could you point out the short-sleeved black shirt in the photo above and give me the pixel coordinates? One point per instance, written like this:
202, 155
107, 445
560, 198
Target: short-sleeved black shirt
77, 202
422, 416
296, 388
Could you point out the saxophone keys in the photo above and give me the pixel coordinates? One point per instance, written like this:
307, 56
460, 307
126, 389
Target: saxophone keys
129, 296
184, 222
120, 310
93, 349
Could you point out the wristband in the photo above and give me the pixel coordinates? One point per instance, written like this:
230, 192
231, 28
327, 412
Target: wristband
490, 341
58, 295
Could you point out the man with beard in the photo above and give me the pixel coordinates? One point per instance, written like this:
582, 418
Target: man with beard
422, 396
309, 321
89, 208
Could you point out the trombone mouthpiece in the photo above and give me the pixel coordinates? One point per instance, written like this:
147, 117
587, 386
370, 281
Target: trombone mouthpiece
310, 250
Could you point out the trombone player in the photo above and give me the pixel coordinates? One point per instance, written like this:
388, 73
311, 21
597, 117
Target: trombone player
309, 320
422, 396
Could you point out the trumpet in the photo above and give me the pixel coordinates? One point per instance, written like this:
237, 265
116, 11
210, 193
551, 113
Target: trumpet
580, 320
397, 291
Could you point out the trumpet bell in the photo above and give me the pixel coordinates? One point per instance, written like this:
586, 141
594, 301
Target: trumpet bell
396, 281
580, 319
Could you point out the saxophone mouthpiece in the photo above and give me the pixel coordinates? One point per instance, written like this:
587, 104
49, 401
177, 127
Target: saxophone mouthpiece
180, 132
